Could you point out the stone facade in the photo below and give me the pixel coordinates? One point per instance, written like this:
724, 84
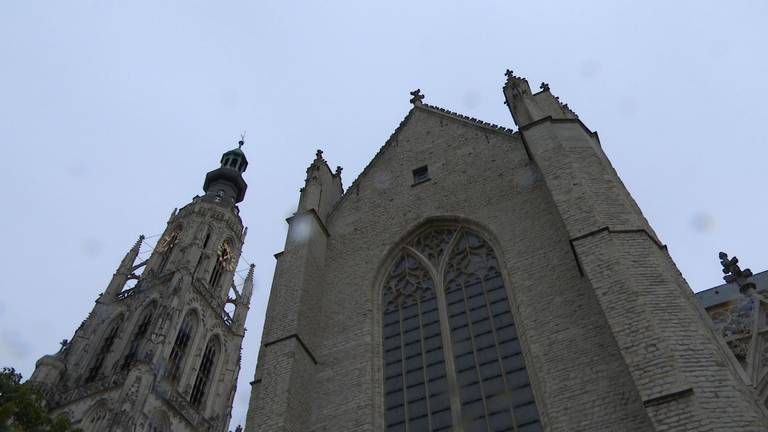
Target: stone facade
612, 337
160, 351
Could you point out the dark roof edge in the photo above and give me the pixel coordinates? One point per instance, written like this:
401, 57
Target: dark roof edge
467, 119
431, 109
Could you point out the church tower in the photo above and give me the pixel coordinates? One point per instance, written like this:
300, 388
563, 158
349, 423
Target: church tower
160, 351
475, 278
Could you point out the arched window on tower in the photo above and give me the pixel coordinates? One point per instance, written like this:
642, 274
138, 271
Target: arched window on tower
488, 385
207, 238
205, 373
104, 349
181, 346
138, 337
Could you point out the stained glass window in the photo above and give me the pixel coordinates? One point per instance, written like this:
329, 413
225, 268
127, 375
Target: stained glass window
464, 327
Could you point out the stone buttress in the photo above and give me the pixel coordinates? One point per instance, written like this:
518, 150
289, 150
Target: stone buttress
287, 359
686, 378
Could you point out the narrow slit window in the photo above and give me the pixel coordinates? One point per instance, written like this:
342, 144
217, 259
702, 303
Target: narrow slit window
138, 338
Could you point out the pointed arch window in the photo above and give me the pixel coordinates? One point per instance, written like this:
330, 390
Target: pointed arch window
181, 346
104, 349
205, 373
487, 386
139, 335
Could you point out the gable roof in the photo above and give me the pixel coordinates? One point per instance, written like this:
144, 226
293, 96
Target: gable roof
430, 109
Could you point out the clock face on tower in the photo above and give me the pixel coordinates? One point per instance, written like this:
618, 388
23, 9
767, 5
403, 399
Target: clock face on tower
226, 258
168, 241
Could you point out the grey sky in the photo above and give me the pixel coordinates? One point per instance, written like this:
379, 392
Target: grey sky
112, 112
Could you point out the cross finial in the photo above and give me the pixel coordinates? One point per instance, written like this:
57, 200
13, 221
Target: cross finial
417, 97
734, 273
509, 73
319, 154
544, 86
64, 343
241, 143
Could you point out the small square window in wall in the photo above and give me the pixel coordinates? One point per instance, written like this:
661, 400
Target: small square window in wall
420, 175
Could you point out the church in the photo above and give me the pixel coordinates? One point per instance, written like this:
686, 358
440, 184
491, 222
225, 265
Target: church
473, 278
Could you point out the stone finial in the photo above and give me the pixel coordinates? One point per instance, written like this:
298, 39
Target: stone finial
417, 97
319, 154
544, 86
509, 73
734, 273
64, 344
338, 170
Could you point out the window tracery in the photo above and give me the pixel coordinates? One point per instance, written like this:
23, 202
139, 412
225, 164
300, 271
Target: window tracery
414, 366
180, 348
470, 314
104, 349
142, 328
433, 242
204, 373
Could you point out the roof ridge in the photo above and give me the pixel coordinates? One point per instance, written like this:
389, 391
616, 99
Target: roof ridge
465, 118
373, 159
426, 107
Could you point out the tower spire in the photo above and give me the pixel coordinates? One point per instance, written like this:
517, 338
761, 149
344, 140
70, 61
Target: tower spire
123, 272
226, 183
527, 107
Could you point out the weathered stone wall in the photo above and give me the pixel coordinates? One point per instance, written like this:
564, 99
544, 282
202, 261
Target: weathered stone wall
483, 178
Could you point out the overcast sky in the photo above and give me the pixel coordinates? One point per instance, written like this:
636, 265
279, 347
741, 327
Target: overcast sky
112, 112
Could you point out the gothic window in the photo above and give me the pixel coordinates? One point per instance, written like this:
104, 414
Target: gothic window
414, 368
205, 373
181, 346
488, 388
207, 239
104, 349
138, 337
